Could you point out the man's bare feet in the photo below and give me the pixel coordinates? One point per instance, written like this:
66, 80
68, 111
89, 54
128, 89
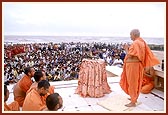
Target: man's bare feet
130, 105
130, 100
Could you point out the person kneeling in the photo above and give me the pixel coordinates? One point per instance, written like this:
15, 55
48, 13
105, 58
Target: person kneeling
148, 80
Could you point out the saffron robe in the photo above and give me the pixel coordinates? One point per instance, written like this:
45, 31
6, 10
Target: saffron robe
132, 75
21, 88
33, 102
34, 86
14, 106
147, 85
148, 80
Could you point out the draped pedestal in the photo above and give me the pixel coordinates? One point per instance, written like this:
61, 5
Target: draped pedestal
92, 79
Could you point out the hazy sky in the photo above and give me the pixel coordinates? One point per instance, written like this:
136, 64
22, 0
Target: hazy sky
101, 19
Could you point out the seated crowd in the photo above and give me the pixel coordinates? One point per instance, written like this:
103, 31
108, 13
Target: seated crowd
49, 62
42, 63
59, 61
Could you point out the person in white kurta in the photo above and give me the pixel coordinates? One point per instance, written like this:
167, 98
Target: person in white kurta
118, 62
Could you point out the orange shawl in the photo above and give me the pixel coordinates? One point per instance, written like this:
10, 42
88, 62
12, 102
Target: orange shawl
140, 49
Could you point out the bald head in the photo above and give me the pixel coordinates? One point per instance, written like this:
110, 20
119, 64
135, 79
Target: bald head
134, 34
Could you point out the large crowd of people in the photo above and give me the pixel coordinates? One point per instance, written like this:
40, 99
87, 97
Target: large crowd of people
60, 61
49, 62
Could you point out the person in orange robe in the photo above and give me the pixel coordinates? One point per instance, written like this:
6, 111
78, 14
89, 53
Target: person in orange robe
138, 57
14, 106
38, 76
148, 80
33, 100
23, 85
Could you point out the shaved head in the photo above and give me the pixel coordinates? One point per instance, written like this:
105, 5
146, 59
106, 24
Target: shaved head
135, 32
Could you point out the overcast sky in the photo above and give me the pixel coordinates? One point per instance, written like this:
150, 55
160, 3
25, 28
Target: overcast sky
100, 19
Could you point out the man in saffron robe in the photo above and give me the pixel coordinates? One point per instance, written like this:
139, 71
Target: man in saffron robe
33, 100
14, 106
38, 76
23, 85
148, 80
138, 57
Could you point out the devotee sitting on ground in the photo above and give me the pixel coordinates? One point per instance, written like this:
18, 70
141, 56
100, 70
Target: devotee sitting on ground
54, 102
14, 106
11, 79
23, 85
148, 80
122, 55
33, 100
117, 61
51, 57
56, 77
